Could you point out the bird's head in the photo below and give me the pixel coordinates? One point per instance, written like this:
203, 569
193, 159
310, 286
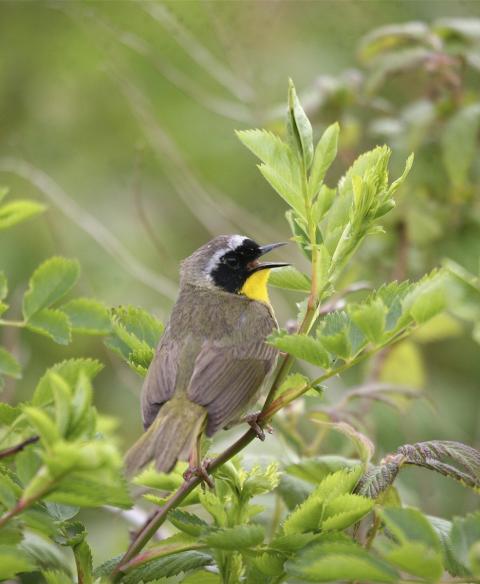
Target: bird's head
231, 263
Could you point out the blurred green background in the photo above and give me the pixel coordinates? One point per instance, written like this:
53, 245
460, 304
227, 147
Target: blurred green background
121, 117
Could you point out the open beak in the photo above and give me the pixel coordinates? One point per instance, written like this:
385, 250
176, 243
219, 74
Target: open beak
255, 266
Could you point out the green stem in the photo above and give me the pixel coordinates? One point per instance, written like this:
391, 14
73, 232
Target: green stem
16, 323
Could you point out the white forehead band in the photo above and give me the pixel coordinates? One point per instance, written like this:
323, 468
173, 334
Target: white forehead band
233, 242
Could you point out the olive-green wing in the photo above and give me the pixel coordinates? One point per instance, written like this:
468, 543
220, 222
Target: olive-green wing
226, 379
159, 384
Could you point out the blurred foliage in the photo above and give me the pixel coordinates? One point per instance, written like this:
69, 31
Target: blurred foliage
119, 118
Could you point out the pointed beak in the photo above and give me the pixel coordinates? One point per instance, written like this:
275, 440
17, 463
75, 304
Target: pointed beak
255, 266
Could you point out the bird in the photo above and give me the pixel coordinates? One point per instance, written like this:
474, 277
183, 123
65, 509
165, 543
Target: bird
212, 359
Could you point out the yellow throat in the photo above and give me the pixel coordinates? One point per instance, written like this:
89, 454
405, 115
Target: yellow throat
255, 286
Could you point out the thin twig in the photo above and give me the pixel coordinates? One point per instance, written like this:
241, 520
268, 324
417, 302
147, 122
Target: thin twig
12, 450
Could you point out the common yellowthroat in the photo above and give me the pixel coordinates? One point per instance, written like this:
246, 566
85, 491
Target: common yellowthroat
212, 359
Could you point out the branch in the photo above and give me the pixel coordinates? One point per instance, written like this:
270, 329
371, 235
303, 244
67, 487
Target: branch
12, 450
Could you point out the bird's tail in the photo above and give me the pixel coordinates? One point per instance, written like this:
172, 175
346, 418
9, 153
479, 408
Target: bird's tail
171, 436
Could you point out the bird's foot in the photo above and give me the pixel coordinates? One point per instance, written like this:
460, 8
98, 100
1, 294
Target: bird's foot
252, 420
200, 471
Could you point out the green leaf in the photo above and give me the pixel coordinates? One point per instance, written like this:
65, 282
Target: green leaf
3, 286
333, 334
298, 127
9, 365
377, 479
8, 413
409, 525
465, 534
13, 561
187, 522
50, 282
459, 143
18, 211
44, 553
62, 396
289, 278
202, 577
136, 334
235, 538
51, 323
300, 346
87, 489
316, 469
325, 154
43, 424
289, 193
53, 577
308, 515
417, 559
370, 318
323, 203
88, 316
167, 566
71, 371
83, 561
338, 559
344, 511
427, 298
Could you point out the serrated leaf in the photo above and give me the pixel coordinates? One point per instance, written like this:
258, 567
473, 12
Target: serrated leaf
316, 469
43, 424
44, 553
165, 567
9, 365
202, 577
308, 515
409, 525
464, 535
301, 346
417, 559
377, 479
298, 127
70, 370
370, 318
50, 282
8, 413
325, 154
18, 211
345, 510
88, 316
3, 286
87, 489
290, 193
13, 561
235, 538
331, 561
187, 522
51, 323
289, 278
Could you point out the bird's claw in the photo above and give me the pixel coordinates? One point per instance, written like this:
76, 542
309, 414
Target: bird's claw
200, 471
252, 421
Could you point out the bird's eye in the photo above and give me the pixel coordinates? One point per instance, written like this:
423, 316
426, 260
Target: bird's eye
231, 261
